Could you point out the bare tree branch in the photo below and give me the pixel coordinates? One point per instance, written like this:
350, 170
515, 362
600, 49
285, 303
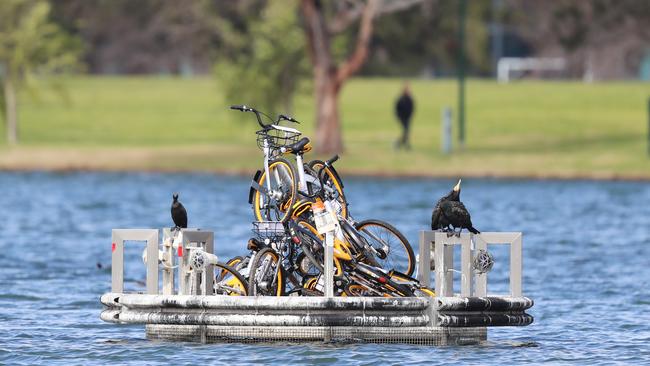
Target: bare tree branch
318, 41
356, 60
346, 17
391, 6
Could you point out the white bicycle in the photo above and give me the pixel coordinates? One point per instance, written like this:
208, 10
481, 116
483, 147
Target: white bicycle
279, 190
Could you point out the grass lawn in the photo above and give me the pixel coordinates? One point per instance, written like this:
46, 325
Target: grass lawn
529, 128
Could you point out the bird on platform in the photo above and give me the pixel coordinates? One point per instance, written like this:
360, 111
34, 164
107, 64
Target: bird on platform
438, 220
450, 211
179, 214
458, 217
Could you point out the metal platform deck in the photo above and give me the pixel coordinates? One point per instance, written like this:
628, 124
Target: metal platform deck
194, 314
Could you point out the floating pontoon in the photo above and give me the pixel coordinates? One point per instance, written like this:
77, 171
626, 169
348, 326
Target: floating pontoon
192, 313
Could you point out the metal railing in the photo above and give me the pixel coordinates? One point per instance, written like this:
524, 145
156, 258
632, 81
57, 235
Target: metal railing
472, 282
434, 244
119, 237
189, 282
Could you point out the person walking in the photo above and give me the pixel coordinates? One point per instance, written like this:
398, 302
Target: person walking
404, 110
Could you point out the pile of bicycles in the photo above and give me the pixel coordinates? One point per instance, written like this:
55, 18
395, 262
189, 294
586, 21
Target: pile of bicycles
292, 200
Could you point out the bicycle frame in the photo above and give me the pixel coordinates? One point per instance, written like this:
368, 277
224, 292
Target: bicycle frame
267, 152
375, 279
303, 178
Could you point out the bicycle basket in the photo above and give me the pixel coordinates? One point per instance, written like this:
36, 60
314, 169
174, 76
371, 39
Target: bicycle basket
268, 229
277, 137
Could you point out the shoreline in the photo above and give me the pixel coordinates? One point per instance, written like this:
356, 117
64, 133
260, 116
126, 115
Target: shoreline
595, 177
236, 160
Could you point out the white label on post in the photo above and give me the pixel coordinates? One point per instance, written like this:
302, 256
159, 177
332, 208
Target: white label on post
324, 222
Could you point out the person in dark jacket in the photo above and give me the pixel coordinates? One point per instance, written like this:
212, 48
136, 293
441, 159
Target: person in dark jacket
404, 110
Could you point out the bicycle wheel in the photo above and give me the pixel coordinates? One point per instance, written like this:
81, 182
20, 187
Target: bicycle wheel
275, 204
305, 266
313, 286
417, 289
343, 250
234, 261
331, 178
358, 244
355, 290
229, 281
384, 237
266, 274
311, 259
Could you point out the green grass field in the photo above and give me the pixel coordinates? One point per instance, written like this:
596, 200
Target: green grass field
529, 128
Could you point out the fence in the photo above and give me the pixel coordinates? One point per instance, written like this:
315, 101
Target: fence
473, 282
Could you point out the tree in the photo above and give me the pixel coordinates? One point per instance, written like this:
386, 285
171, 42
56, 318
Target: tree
140, 37
267, 63
30, 45
322, 22
600, 39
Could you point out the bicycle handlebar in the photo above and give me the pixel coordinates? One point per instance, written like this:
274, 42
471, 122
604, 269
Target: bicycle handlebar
245, 108
332, 160
258, 114
287, 118
242, 108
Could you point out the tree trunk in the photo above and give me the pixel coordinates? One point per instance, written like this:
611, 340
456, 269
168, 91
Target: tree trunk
326, 84
328, 131
330, 77
11, 112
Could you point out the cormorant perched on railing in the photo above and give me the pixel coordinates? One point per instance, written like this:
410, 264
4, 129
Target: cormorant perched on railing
450, 211
458, 216
179, 214
438, 220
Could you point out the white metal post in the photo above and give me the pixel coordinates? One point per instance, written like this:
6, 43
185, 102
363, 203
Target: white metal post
168, 255
444, 262
515, 267
444, 255
329, 264
119, 236
480, 279
467, 270
117, 263
427, 238
203, 240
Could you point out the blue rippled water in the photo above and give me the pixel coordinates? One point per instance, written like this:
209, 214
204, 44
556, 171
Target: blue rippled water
586, 265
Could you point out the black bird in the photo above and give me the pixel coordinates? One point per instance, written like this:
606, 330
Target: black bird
179, 214
450, 211
438, 220
458, 216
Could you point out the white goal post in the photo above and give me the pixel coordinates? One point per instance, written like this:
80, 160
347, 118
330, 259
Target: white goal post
508, 64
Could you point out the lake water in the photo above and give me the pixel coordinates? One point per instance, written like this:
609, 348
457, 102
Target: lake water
586, 265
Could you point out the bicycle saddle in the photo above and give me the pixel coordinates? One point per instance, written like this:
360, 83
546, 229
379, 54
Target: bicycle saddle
302, 146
